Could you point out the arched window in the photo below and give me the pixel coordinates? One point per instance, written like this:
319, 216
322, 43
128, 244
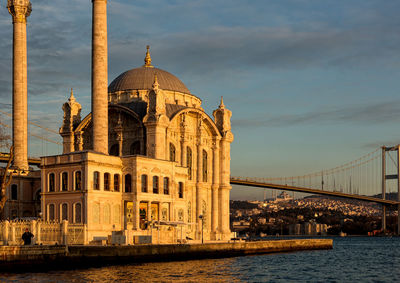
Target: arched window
107, 213
205, 165
78, 213
128, 183
78, 180
144, 183
116, 182
64, 211
96, 213
64, 181
14, 192
106, 181
114, 150
166, 186
189, 161
117, 214
155, 184
51, 212
52, 184
96, 180
180, 190
172, 152
135, 148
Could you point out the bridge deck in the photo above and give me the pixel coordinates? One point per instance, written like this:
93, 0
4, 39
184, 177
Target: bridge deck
32, 161
250, 183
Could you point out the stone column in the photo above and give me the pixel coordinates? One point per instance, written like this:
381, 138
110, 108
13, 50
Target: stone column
225, 187
149, 211
215, 186
20, 10
199, 193
99, 77
183, 152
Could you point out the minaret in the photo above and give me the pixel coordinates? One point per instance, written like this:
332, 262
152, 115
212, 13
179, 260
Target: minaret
20, 10
156, 122
72, 118
222, 117
99, 77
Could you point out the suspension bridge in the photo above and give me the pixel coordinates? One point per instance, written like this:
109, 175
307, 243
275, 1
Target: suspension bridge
369, 178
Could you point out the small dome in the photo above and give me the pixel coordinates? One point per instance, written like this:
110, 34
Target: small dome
143, 78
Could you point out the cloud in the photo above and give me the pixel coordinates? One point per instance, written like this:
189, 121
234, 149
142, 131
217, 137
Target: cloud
385, 112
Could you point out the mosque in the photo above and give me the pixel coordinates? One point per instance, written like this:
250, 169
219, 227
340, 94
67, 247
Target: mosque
146, 155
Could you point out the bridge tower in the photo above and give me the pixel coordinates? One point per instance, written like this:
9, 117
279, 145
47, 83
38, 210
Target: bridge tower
390, 177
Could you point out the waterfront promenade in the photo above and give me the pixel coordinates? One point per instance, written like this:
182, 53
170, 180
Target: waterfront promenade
56, 257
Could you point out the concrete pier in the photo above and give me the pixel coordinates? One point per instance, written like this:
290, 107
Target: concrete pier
12, 258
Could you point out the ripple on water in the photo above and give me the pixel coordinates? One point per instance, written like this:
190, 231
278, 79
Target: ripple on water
351, 260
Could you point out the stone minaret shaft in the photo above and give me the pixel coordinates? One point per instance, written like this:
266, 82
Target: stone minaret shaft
99, 77
20, 10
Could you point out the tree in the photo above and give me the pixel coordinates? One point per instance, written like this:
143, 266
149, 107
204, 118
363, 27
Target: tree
4, 138
5, 181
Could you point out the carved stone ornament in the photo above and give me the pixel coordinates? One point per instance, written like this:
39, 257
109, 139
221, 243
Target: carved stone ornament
19, 10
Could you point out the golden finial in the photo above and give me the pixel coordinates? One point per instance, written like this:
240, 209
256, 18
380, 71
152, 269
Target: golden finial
155, 84
147, 59
221, 105
71, 97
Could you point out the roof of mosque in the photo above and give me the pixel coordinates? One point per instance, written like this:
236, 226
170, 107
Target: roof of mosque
143, 78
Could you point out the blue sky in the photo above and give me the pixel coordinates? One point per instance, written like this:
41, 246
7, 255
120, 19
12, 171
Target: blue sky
311, 83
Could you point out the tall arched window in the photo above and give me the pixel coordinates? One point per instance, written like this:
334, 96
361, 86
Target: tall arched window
51, 212
107, 213
166, 186
189, 161
128, 183
180, 190
96, 180
64, 211
106, 181
78, 180
116, 182
114, 150
144, 183
155, 184
172, 152
78, 213
52, 184
64, 181
205, 165
14, 192
135, 148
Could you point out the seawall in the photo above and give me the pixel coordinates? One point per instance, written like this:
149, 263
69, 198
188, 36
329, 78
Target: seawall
28, 258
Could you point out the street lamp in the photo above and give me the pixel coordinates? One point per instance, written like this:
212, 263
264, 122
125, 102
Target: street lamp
201, 218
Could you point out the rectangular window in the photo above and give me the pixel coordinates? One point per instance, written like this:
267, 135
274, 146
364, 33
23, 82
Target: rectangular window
52, 182
180, 190
64, 211
116, 182
166, 186
155, 184
128, 183
78, 180
64, 181
96, 181
106, 181
144, 183
14, 192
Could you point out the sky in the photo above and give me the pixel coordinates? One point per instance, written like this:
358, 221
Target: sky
312, 84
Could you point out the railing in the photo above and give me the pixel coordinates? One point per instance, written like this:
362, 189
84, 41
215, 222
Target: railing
45, 232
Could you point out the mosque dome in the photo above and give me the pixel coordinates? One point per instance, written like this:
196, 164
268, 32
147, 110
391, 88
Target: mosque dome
143, 78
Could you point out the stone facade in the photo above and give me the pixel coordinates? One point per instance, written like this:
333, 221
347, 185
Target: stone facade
147, 155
